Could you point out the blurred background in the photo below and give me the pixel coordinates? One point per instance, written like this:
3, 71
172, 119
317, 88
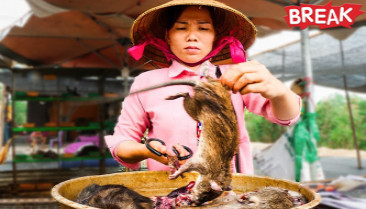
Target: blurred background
64, 73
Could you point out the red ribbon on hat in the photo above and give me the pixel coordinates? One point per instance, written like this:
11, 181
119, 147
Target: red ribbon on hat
237, 51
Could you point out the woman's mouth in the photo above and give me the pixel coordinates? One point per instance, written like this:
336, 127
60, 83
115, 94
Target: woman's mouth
192, 49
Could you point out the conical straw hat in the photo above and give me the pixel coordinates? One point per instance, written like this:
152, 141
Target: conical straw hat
234, 23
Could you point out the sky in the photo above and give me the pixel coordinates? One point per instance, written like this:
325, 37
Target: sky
273, 41
12, 10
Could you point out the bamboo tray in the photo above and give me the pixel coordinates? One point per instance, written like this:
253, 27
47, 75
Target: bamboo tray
156, 183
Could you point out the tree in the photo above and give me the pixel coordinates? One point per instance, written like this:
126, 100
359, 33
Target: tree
333, 121
261, 130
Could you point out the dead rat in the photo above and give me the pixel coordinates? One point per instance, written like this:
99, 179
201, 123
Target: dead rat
120, 197
113, 196
211, 105
266, 198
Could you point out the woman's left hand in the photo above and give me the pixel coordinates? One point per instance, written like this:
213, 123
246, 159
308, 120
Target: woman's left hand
253, 77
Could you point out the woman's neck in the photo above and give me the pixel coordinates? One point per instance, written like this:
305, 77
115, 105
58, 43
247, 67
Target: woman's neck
194, 68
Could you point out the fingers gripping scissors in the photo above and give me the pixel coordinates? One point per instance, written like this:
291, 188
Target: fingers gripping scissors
147, 144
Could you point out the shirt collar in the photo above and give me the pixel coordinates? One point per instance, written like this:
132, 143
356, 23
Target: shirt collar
176, 68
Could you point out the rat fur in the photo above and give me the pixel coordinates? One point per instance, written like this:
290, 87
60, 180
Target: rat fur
211, 105
269, 198
265, 198
113, 196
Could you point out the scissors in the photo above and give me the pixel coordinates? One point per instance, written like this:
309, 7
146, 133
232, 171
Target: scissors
147, 144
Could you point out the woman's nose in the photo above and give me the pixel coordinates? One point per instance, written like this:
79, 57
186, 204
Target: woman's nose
192, 36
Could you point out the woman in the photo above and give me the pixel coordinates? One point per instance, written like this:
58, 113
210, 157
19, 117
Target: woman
188, 36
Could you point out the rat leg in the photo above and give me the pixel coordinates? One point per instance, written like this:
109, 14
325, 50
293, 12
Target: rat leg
190, 165
184, 168
225, 179
174, 165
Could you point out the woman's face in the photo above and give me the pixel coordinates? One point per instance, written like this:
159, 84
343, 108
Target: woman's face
192, 35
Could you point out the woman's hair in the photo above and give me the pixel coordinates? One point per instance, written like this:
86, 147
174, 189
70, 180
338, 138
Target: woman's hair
170, 15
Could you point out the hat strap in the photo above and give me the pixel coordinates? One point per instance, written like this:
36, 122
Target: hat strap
137, 51
237, 51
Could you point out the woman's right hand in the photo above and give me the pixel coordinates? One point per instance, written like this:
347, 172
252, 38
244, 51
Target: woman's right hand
164, 150
160, 148
134, 152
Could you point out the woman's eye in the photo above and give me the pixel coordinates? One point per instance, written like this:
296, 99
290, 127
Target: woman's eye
180, 28
203, 28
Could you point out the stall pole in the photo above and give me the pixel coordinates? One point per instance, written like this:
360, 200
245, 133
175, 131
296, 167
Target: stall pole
308, 71
101, 115
355, 142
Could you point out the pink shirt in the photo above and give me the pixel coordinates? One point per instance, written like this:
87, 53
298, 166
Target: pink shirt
167, 119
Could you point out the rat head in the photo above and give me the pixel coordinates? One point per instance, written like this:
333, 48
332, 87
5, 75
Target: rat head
205, 196
269, 197
205, 191
86, 194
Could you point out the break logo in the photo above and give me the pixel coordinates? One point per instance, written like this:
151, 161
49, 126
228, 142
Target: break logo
326, 16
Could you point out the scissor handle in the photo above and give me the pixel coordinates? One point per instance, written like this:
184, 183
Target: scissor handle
147, 144
183, 157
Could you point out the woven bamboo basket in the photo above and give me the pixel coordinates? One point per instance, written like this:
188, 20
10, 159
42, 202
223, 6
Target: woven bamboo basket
156, 183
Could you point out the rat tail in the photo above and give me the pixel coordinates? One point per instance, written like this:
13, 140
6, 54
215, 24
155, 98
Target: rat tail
169, 83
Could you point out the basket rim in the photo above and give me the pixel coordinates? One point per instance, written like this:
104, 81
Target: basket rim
54, 191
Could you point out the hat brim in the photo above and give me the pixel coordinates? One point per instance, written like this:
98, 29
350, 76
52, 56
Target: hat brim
236, 24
